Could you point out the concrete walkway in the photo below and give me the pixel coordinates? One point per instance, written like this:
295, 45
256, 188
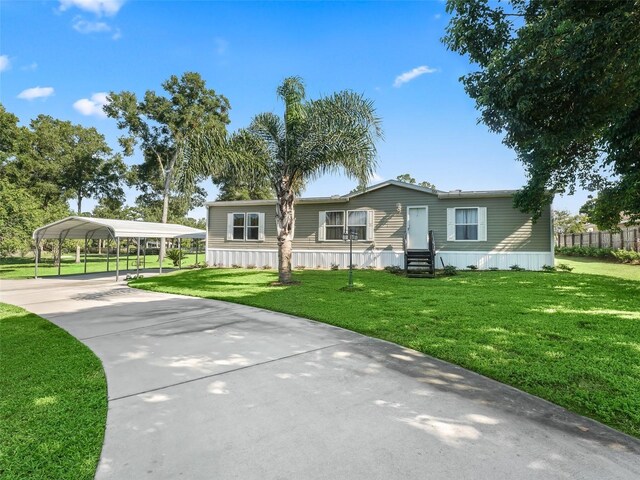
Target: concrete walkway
200, 389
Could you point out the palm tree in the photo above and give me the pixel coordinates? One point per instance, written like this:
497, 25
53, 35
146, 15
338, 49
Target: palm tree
316, 137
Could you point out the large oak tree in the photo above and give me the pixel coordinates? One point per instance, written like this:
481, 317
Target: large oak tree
561, 80
163, 126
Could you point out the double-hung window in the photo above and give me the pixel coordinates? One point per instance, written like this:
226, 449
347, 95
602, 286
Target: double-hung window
245, 226
467, 224
357, 223
333, 223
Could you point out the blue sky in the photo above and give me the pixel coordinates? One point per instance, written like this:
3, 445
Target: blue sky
61, 57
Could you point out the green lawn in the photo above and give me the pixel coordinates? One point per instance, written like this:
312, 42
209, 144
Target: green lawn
15, 267
53, 401
573, 339
595, 266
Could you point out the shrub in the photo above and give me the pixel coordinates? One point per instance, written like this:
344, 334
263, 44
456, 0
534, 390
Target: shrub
175, 255
626, 256
394, 269
300, 267
494, 269
548, 268
564, 267
235, 265
266, 267
516, 268
251, 266
450, 270
335, 266
472, 267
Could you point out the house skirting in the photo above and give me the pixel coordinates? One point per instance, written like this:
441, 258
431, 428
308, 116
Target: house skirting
376, 259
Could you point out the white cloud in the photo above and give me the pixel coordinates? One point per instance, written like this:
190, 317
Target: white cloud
99, 7
36, 92
412, 74
85, 26
117, 34
93, 105
5, 63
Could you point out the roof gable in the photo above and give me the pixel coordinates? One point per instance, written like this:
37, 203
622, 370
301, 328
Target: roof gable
396, 183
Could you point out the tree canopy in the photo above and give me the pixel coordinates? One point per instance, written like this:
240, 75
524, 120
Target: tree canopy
561, 80
163, 126
407, 178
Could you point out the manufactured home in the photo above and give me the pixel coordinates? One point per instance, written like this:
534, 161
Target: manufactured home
395, 222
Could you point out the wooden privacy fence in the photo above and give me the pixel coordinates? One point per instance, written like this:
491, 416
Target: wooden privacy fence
626, 239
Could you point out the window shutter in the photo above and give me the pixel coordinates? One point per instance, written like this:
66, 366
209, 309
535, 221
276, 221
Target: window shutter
261, 227
482, 224
229, 226
370, 224
451, 224
322, 218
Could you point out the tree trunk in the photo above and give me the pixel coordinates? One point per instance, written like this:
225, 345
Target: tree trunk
165, 201
284, 221
100, 246
78, 253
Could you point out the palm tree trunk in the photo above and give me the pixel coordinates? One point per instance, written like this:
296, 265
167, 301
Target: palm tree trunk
284, 223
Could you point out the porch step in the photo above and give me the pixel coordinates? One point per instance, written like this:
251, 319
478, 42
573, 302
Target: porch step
419, 264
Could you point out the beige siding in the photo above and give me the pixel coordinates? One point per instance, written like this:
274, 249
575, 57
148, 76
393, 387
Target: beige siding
507, 229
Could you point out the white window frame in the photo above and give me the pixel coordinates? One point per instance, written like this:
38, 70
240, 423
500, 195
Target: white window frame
481, 224
369, 225
245, 226
325, 226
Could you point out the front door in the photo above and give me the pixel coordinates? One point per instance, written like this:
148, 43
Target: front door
417, 228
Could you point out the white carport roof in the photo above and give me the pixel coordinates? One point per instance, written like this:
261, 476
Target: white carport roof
88, 227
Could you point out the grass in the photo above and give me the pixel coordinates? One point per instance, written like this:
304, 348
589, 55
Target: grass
16, 267
570, 338
595, 266
53, 405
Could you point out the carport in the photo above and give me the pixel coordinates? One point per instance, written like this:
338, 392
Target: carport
87, 228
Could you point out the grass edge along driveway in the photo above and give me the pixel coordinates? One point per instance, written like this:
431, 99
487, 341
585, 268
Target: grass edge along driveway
53, 405
569, 338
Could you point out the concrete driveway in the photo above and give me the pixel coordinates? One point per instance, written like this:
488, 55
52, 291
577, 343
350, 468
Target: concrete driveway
200, 389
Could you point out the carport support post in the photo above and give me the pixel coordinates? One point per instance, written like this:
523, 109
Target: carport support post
197, 242
138, 260
59, 253
117, 258
160, 259
106, 244
144, 254
37, 255
86, 242
128, 244
180, 257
